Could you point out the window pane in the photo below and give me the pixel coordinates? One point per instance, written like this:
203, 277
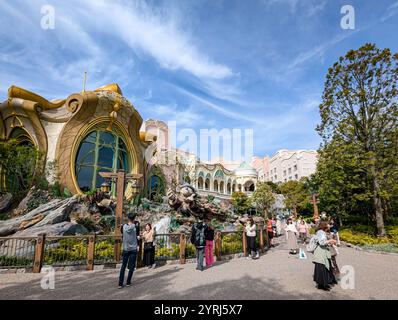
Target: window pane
122, 161
85, 178
92, 137
107, 138
105, 157
101, 180
86, 153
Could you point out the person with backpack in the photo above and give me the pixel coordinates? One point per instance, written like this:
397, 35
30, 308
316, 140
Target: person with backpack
209, 236
129, 249
198, 239
323, 272
250, 229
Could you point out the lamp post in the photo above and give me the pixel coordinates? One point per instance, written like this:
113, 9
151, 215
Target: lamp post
121, 178
105, 187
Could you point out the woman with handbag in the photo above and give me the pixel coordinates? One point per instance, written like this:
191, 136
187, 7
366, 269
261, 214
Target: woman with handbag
323, 270
148, 237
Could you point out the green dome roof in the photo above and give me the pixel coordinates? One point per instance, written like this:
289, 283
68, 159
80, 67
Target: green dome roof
245, 170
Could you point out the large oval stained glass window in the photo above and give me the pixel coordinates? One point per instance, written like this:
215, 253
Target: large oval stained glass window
99, 151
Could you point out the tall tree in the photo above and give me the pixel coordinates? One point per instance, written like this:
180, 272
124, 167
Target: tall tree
296, 195
359, 109
241, 202
263, 197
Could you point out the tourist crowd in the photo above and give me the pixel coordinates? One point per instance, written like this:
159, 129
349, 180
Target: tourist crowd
323, 244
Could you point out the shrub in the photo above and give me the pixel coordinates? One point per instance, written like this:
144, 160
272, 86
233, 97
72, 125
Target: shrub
68, 250
104, 249
166, 253
363, 238
14, 262
190, 250
232, 243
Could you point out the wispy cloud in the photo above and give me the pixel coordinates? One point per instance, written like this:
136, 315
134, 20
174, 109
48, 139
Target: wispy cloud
319, 50
171, 112
391, 11
220, 109
316, 8
292, 4
259, 64
158, 35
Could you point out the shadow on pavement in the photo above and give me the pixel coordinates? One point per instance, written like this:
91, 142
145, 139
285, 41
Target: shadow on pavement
154, 285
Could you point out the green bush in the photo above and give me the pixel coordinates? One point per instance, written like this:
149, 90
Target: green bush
14, 262
365, 235
68, 250
190, 250
163, 252
232, 243
104, 249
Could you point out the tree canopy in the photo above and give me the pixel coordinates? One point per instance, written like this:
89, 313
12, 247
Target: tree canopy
357, 167
18, 163
241, 202
263, 197
296, 195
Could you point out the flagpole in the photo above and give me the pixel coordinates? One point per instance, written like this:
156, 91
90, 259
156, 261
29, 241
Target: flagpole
84, 81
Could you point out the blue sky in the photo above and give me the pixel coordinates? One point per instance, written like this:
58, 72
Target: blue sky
256, 64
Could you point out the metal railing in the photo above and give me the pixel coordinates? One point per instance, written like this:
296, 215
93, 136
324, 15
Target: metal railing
104, 249
17, 252
90, 250
167, 246
65, 251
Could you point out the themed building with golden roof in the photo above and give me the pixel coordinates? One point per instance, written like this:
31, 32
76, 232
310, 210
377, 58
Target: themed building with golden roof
86, 133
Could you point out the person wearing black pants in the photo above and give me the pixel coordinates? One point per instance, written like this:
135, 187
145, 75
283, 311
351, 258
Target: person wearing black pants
198, 239
129, 254
149, 249
251, 239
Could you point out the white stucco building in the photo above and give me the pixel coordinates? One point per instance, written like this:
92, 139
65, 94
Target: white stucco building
286, 165
220, 178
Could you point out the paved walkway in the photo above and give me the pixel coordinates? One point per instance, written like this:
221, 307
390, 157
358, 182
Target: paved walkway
276, 275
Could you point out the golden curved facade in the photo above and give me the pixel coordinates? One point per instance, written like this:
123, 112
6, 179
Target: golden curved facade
58, 128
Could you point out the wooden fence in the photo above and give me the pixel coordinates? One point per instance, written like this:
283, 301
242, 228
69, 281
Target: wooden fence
91, 250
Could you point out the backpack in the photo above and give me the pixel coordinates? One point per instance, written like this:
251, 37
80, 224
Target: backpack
200, 240
312, 245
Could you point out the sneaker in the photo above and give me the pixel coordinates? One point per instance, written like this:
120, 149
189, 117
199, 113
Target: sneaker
128, 285
120, 287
